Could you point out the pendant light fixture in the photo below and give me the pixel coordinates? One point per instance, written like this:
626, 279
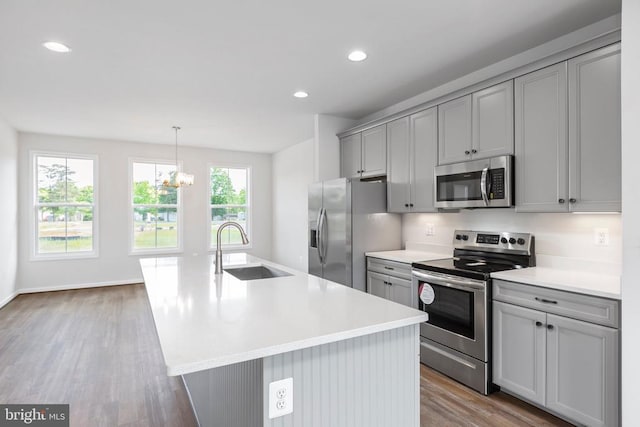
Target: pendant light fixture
178, 179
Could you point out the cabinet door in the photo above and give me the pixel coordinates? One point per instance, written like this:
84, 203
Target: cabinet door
377, 284
519, 350
374, 151
594, 131
454, 130
350, 156
541, 143
492, 121
398, 196
582, 376
423, 131
400, 292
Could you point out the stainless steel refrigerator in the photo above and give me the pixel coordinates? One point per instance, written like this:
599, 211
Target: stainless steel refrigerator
346, 219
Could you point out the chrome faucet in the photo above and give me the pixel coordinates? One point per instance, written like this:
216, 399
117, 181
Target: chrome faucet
243, 235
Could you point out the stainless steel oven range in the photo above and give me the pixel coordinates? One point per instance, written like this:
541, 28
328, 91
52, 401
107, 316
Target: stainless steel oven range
456, 294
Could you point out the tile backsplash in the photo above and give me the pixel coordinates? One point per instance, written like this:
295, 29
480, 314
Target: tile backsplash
570, 236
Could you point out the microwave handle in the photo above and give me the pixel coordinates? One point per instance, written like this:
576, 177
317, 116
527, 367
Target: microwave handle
483, 186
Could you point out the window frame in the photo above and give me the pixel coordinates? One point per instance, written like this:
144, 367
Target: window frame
36, 205
131, 206
211, 243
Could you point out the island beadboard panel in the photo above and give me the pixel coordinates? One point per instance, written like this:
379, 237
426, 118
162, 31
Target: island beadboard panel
227, 396
368, 381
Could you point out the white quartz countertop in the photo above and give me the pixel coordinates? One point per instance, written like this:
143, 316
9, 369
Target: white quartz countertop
206, 321
588, 283
407, 256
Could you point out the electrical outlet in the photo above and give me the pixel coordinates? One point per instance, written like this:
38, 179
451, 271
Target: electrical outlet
430, 230
280, 398
601, 236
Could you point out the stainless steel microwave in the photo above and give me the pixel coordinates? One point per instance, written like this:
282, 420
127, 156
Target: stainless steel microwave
484, 183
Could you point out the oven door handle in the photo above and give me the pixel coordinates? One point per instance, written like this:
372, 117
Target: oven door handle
483, 186
450, 281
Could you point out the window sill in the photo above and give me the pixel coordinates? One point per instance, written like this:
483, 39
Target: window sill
232, 248
66, 256
145, 252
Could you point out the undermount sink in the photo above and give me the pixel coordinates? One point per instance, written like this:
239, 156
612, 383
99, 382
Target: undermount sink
256, 272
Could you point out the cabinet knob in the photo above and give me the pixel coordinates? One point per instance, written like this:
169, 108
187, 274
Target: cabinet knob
560, 201
474, 151
411, 205
467, 152
550, 327
572, 200
538, 323
406, 205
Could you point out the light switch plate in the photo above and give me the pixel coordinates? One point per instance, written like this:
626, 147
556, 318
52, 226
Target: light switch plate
280, 398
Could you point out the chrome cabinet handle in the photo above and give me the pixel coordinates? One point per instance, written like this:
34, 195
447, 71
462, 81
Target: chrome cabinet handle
388, 268
546, 301
538, 323
474, 151
483, 186
467, 152
550, 327
572, 200
560, 201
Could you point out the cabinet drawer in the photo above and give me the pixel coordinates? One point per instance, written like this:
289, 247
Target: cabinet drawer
592, 309
391, 268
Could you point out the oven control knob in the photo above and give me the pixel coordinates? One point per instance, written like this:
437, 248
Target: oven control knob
503, 240
512, 240
521, 241
465, 237
458, 237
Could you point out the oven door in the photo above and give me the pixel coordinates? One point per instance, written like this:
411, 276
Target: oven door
457, 309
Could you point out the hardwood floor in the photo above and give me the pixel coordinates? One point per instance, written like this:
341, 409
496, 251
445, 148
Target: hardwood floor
97, 350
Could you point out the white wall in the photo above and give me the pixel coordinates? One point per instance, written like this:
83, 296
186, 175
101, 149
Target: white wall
9, 223
326, 150
114, 264
292, 174
561, 235
630, 212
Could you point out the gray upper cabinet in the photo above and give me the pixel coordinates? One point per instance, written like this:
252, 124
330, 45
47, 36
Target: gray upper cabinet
351, 156
594, 131
374, 151
541, 140
476, 126
364, 154
454, 130
492, 121
398, 169
567, 135
411, 156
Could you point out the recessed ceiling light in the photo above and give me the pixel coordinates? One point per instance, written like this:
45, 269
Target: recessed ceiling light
56, 47
301, 94
357, 56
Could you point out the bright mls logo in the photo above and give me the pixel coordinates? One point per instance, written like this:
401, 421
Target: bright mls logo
34, 415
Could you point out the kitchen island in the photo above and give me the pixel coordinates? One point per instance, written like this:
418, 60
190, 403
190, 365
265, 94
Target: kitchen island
353, 357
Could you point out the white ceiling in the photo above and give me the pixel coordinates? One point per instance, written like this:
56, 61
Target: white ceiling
226, 70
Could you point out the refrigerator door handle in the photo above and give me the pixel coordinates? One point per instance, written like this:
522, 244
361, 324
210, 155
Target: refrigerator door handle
319, 235
324, 237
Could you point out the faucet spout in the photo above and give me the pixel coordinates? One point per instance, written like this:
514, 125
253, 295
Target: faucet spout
243, 236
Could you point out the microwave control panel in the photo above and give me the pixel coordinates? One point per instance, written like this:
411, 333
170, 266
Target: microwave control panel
497, 184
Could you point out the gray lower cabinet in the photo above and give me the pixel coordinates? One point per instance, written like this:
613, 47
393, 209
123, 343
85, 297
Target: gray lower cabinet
411, 156
565, 364
390, 280
567, 135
